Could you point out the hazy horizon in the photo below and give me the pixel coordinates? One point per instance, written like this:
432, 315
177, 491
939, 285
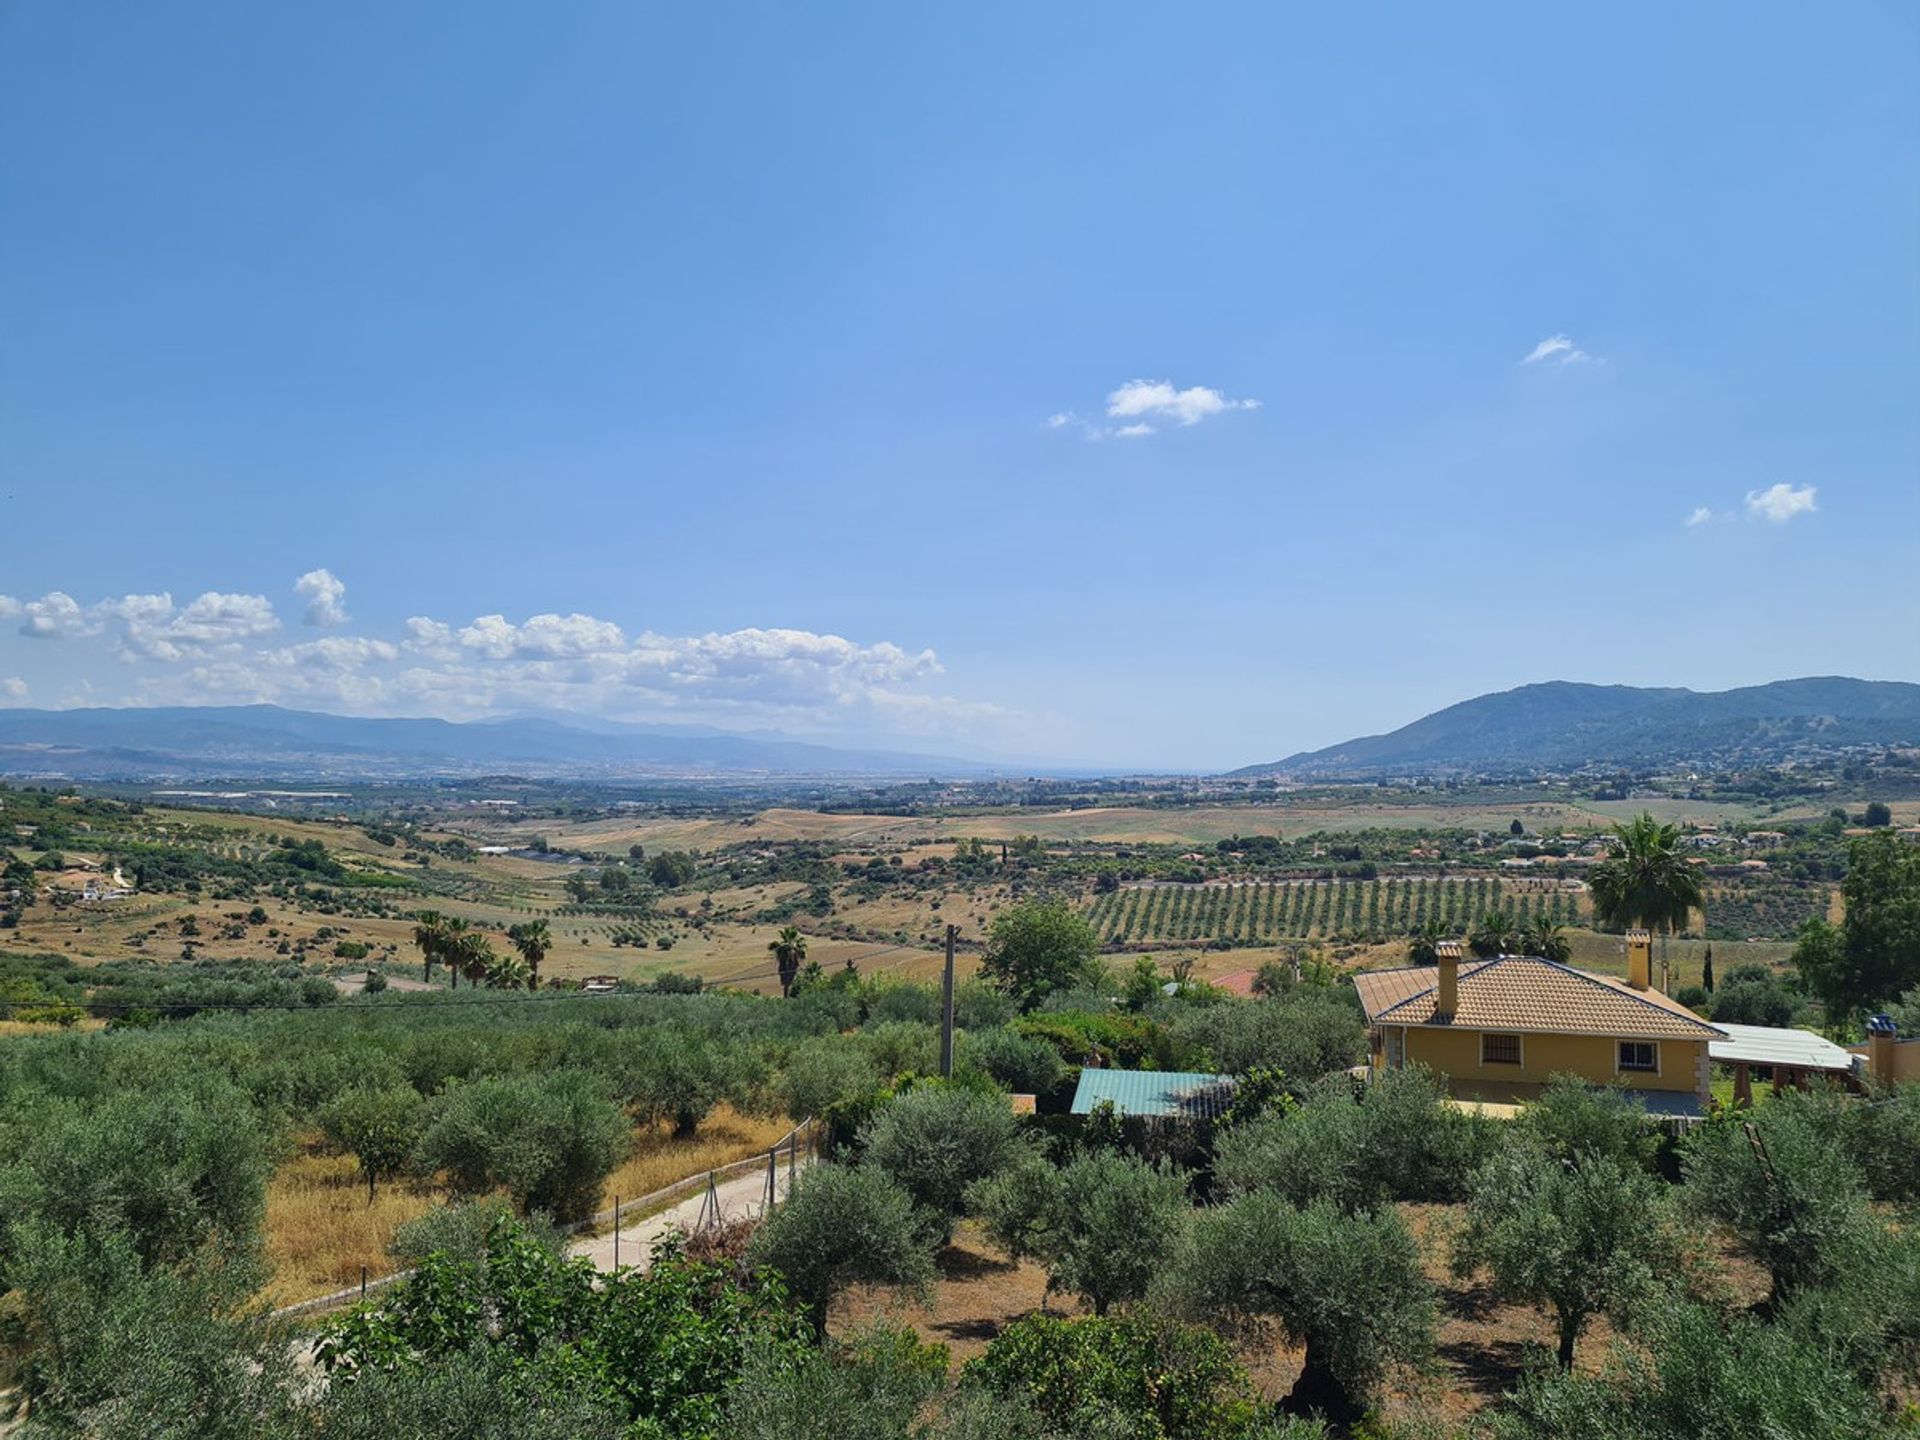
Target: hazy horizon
1085, 386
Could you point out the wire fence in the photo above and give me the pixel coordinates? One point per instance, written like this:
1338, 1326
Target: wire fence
787, 1154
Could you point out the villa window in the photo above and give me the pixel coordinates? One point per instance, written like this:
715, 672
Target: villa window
1639, 1055
1499, 1049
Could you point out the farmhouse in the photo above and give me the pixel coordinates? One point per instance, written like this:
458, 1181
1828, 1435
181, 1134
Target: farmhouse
1498, 1029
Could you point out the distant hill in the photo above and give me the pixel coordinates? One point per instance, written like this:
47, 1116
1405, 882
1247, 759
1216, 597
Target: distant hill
1563, 726
265, 740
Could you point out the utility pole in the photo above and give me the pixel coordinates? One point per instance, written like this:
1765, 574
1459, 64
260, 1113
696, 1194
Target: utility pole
946, 1010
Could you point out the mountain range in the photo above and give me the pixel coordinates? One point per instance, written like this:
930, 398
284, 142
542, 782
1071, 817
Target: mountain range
1561, 726
266, 740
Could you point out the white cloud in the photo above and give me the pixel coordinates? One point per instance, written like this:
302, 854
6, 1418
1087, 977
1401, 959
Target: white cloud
1157, 398
1060, 418
57, 616
1556, 350
1779, 503
13, 687
1700, 515
10, 608
1133, 432
543, 637
326, 597
153, 629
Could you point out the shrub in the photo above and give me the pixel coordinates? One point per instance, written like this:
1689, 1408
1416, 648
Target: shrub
867, 1387
823, 1073
1024, 1064
1572, 1119
1305, 1033
1133, 1375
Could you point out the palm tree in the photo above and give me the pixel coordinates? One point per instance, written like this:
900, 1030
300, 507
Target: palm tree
1424, 947
506, 972
533, 940
430, 934
471, 954
1548, 940
453, 932
789, 948
1644, 881
1493, 935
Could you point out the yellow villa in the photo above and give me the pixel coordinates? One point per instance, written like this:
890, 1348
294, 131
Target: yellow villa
1497, 1029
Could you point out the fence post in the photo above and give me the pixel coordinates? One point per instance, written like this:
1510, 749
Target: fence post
363, 1282
616, 1232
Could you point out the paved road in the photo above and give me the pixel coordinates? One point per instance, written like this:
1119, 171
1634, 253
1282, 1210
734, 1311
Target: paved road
741, 1197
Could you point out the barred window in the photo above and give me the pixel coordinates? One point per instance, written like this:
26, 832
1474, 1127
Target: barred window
1638, 1055
1499, 1049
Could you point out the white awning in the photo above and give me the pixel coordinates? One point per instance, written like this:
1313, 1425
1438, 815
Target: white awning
1773, 1045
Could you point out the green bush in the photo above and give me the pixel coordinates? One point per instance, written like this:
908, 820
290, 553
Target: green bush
1305, 1033
1023, 1064
867, 1387
1140, 1376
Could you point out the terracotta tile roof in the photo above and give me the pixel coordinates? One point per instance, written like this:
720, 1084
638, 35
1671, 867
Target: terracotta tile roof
1523, 992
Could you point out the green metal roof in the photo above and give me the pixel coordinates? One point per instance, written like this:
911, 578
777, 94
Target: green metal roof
1153, 1092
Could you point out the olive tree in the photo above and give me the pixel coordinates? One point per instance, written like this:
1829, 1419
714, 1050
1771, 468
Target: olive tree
936, 1140
1106, 1225
1037, 947
549, 1141
379, 1128
1348, 1287
1584, 1237
842, 1226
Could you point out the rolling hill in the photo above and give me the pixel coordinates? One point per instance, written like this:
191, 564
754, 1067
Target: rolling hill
266, 740
1561, 725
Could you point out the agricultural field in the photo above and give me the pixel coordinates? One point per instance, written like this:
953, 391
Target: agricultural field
1267, 912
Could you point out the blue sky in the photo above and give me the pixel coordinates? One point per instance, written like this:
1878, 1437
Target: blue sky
698, 363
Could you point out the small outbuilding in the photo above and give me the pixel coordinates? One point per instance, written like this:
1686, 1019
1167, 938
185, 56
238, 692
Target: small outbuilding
1158, 1093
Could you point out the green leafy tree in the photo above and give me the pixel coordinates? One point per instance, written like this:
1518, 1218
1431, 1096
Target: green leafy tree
680, 1076
1037, 947
671, 869
1584, 1237
843, 1226
430, 937
1348, 1287
1779, 1179
1399, 1139
1873, 955
1106, 1225
936, 1140
379, 1128
1307, 1033
869, 1386
1547, 939
1024, 1064
549, 1141
533, 939
1572, 1119
789, 949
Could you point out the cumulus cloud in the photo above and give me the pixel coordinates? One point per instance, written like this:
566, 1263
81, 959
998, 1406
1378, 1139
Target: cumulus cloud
326, 597
220, 647
57, 616
1159, 399
1556, 350
1779, 503
1141, 402
12, 687
1700, 515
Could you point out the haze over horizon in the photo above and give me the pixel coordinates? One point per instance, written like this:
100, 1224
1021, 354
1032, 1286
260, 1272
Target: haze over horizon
1081, 385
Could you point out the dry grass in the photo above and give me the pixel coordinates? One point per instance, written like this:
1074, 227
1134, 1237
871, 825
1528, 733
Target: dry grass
321, 1230
659, 1159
